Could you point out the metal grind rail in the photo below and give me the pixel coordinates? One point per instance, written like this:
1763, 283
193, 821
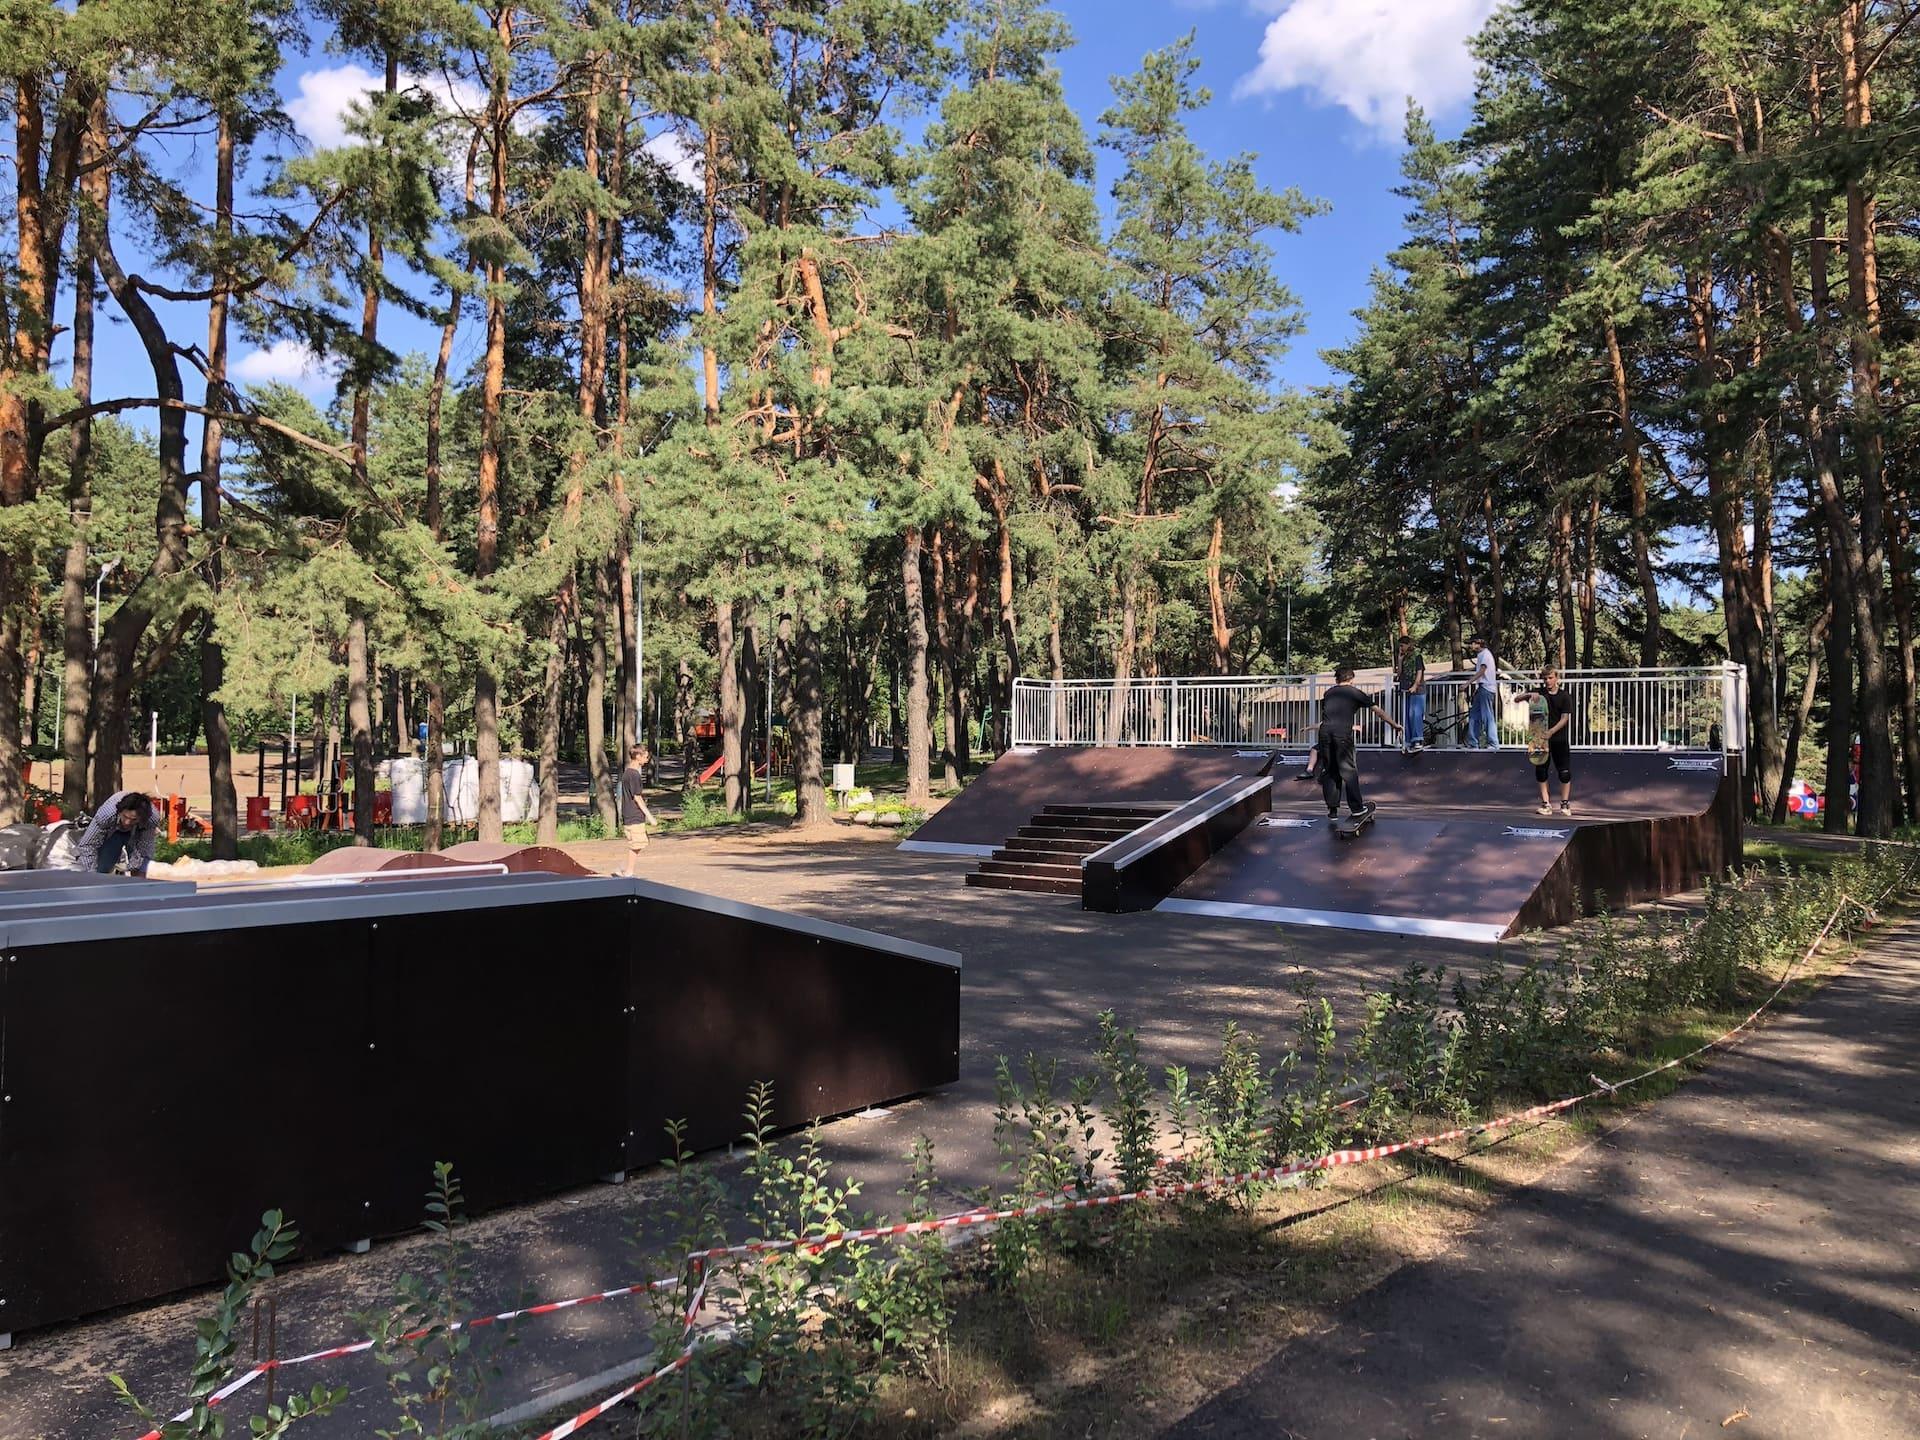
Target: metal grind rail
700, 1263
1700, 709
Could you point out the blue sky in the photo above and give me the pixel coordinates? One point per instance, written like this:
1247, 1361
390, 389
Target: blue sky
1316, 88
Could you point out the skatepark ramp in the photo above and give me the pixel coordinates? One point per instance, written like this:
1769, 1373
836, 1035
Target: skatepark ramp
1138, 871
1045, 855
1458, 851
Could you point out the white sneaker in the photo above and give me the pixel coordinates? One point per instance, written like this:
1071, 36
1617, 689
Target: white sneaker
1543, 809
1566, 807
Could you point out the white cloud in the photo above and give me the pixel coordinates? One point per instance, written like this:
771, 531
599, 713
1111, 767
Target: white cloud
682, 161
285, 362
319, 111
1368, 56
327, 96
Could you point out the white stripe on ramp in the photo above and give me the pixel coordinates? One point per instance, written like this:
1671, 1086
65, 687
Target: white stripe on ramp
1339, 920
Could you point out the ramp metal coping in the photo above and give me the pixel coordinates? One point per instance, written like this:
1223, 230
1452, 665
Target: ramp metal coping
1480, 934
1146, 838
265, 905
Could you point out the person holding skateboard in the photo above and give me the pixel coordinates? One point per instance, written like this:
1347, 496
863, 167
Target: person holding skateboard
1550, 739
1334, 755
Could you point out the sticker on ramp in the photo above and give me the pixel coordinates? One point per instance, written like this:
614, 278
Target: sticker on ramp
1675, 763
1285, 822
1251, 754
1528, 832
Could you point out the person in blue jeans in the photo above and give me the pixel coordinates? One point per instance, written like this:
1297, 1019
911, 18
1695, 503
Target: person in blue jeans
1481, 731
121, 836
1411, 675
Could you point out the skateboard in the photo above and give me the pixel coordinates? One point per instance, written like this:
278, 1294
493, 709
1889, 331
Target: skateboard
1351, 825
1537, 729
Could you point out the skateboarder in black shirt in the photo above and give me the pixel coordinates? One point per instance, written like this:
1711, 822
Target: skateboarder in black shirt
1336, 759
1559, 738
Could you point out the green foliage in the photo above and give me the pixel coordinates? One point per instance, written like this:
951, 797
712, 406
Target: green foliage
216, 1341
437, 1372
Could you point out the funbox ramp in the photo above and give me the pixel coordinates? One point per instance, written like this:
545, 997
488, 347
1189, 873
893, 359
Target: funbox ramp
1024, 781
1457, 852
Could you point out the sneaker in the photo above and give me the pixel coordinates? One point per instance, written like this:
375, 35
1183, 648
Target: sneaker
1543, 809
1566, 807
1333, 814
1365, 812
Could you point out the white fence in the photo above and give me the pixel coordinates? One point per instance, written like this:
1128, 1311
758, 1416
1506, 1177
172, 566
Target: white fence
1701, 710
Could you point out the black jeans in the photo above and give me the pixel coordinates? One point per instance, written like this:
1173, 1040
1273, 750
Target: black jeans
1340, 771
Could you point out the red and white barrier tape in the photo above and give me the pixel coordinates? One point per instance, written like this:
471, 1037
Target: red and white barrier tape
620, 1397
253, 1373
1061, 1203
1330, 1161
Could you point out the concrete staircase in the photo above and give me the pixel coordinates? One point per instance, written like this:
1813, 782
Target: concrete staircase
1044, 855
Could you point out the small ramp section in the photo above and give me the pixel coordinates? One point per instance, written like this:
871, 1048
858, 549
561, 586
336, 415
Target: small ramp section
1022, 783
1138, 871
1045, 855
519, 859
351, 860
1448, 879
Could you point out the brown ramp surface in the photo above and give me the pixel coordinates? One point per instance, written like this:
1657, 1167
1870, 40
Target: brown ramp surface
1458, 879
1021, 783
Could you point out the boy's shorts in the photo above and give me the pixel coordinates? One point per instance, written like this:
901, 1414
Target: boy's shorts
636, 837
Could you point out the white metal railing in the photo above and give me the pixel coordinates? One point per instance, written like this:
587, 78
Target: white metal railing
1701, 710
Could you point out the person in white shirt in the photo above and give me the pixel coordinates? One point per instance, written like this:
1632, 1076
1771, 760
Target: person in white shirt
1481, 731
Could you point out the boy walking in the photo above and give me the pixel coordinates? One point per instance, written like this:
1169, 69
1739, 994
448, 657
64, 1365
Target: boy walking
1411, 675
634, 814
1334, 754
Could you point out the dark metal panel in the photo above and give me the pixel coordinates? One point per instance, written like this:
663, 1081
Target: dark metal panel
722, 1000
136, 1151
529, 1031
1140, 870
499, 1047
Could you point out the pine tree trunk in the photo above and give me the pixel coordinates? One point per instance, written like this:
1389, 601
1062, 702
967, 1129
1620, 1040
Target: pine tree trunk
1563, 581
434, 763
1878, 785
360, 724
1840, 697
919, 736
1634, 458
486, 686
1901, 570
809, 779
115, 673
1123, 660
733, 711
213, 667
1222, 633
949, 671
547, 828
77, 641
600, 775
1496, 582
1816, 636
